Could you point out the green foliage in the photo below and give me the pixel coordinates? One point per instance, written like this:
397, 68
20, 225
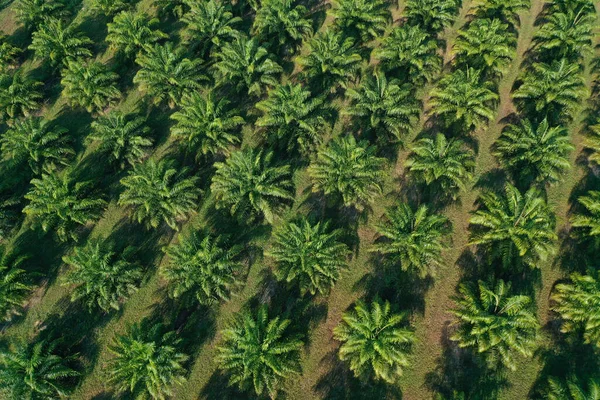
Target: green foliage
19, 95
210, 24
431, 15
202, 267
572, 389
147, 363
374, 341
504, 10
109, 7
133, 32
364, 19
32, 13
495, 323
310, 255
158, 192
566, 35
259, 353
414, 239
588, 222
57, 43
90, 85
281, 21
592, 142
250, 185
14, 288
8, 54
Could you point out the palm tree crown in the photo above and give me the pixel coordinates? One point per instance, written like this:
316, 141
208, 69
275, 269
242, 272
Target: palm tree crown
57, 43
19, 95
14, 288
589, 222
32, 13
364, 19
8, 54
504, 10
132, 32
572, 389
566, 35
282, 21
431, 15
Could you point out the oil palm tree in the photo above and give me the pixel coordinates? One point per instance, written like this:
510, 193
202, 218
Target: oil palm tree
444, 166
592, 143
504, 10
588, 222
348, 171
281, 21
309, 255
431, 15
14, 288
518, 227
259, 353
202, 267
57, 43
534, 153
565, 35
362, 19
147, 362
102, 278
37, 142
572, 388
9, 54
247, 66
158, 192
375, 341
110, 7
250, 185
19, 95
414, 239
58, 203
90, 85
165, 74
206, 124
132, 32
32, 13
495, 323
36, 371
175, 8
123, 137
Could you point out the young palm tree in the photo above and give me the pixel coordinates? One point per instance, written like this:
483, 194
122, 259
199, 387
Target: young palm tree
504, 10
576, 304
431, 15
32, 13
158, 192
89, 85
413, 238
282, 22
14, 289
534, 153
35, 371
464, 100
109, 7
310, 255
374, 341
410, 52
494, 323
259, 353
247, 66
147, 362
445, 166
250, 185
58, 203
8, 54
37, 142
572, 389
166, 75
57, 43
566, 35
206, 124
121, 136
551, 91
202, 267
132, 32
348, 171
103, 279
518, 227
385, 109
19, 95
332, 60
362, 19
589, 222
292, 115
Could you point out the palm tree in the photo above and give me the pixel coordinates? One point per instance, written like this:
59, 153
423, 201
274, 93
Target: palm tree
431, 15
176, 8
19, 95
109, 7
410, 52
445, 166
464, 100
534, 153
551, 91
14, 288
36, 371
572, 389
494, 323
259, 352
158, 192
385, 109
592, 142
202, 267
132, 32
8, 54
206, 124
89, 85
210, 24
332, 60
348, 172
575, 6
166, 75
504, 10
32, 13
518, 227
246, 65
250, 185
282, 22
576, 304
292, 115
122, 136
57, 43
485, 45
58, 203
566, 35
362, 19
375, 341
37, 142
310, 255
589, 222
413, 238
147, 362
